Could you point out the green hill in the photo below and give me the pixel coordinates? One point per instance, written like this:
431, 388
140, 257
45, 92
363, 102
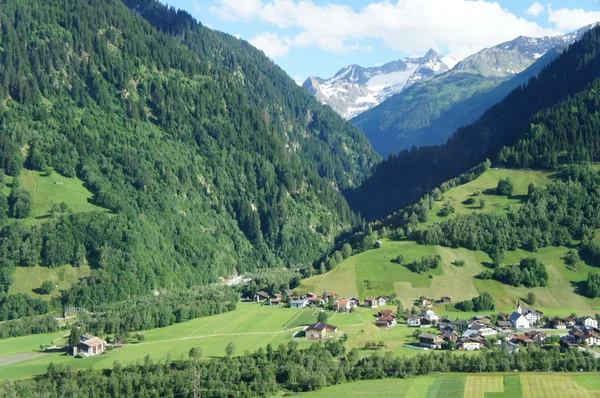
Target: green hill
404, 178
208, 156
376, 271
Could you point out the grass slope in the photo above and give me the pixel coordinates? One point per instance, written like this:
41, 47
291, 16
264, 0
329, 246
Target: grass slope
48, 190
373, 272
29, 279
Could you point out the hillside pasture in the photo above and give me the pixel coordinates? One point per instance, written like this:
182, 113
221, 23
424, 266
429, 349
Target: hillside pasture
48, 190
29, 279
483, 187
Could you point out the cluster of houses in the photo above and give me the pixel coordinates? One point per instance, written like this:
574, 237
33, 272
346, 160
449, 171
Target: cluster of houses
312, 300
473, 333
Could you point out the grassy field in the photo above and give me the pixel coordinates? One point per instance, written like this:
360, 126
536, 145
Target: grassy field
250, 327
373, 272
48, 190
485, 184
472, 386
29, 279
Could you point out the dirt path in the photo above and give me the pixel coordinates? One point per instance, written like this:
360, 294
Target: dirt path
15, 358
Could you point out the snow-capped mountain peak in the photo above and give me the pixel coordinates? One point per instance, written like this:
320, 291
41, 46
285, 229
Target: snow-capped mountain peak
355, 89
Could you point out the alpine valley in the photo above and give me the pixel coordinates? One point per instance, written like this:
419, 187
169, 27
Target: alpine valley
178, 218
428, 108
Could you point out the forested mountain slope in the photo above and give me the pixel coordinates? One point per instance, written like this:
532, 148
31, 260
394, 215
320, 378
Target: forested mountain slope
402, 179
430, 112
209, 157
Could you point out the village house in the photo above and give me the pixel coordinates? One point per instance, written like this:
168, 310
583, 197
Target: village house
413, 321
382, 300
557, 323
426, 323
274, 301
504, 325
459, 325
479, 328
424, 302
508, 347
298, 303
588, 321
534, 317
331, 295
450, 335
354, 302
342, 305
261, 296
570, 321
486, 319
468, 344
429, 314
523, 340
586, 335
370, 302
319, 330
538, 337
430, 340
315, 301
386, 321
89, 346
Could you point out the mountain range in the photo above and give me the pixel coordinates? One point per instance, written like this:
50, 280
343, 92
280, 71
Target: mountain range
355, 89
427, 110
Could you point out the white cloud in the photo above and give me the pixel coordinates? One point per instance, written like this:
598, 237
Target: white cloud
410, 26
571, 19
271, 44
535, 10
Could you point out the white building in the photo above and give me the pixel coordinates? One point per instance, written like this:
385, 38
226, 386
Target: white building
588, 321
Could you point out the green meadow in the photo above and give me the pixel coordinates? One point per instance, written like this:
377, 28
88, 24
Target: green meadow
250, 327
48, 190
471, 386
374, 272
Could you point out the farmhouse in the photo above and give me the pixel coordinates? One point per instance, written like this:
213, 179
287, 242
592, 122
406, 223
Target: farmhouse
354, 301
430, 340
459, 325
386, 321
469, 344
261, 296
557, 323
274, 301
343, 305
587, 321
89, 346
533, 316
424, 301
450, 335
298, 303
382, 300
429, 314
315, 300
370, 302
414, 321
319, 331
504, 325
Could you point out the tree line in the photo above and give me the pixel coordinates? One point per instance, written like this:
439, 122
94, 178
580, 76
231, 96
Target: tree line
286, 368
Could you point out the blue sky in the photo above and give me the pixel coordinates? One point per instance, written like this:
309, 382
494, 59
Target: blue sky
318, 37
